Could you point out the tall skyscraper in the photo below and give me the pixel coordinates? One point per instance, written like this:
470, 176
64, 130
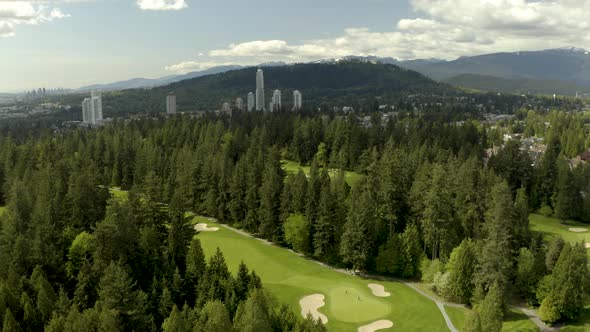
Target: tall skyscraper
171, 103
97, 97
92, 108
226, 107
276, 101
251, 101
297, 100
260, 90
240, 104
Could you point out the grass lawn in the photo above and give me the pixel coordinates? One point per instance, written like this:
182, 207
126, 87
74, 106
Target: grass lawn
2, 209
349, 301
293, 167
514, 320
457, 315
552, 227
118, 193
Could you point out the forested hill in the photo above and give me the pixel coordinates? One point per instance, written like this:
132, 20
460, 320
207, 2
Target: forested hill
349, 83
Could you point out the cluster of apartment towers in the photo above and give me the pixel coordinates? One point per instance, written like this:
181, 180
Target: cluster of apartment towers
255, 101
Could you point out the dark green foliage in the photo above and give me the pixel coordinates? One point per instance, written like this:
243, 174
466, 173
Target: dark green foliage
568, 287
461, 267
491, 310
75, 259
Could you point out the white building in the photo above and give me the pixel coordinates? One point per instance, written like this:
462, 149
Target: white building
276, 101
226, 107
297, 100
251, 101
240, 104
92, 108
171, 103
260, 90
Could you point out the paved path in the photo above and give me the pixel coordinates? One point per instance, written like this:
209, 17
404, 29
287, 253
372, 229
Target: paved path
531, 314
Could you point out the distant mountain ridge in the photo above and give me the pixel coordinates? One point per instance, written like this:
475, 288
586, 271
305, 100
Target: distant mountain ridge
570, 65
518, 86
343, 83
561, 70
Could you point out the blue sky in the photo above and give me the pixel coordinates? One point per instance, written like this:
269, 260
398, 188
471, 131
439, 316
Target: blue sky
71, 43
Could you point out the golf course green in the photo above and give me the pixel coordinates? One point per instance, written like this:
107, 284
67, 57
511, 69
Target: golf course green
349, 303
552, 227
293, 167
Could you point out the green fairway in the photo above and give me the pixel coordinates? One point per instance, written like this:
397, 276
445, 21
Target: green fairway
553, 227
349, 301
293, 167
514, 320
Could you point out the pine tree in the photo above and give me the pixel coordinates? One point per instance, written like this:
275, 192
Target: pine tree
461, 267
491, 310
270, 206
253, 315
355, 245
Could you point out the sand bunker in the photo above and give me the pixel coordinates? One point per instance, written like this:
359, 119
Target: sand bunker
379, 290
204, 228
578, 230
374, 326
311, 304
587, 245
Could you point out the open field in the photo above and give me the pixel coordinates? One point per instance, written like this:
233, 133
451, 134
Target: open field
514, 320
349, 302
293, 167
553, 227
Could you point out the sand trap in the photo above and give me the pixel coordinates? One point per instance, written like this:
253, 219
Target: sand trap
379, 290
378, 325
578, 230
311, 304
204, 228
587, 245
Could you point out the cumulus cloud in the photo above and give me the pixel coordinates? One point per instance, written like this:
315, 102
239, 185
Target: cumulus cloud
442, 29
189, 66
161, 4
13, 13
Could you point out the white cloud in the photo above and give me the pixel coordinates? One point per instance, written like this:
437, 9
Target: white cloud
442, 29
162, 4
189, 66
6, 29
13, 13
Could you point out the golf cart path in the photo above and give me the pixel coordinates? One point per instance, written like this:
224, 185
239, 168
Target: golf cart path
531, 314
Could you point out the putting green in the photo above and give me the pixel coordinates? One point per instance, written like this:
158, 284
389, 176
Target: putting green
290, 277
350, 305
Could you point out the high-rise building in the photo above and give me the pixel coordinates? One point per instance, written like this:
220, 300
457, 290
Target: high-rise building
240, 104
276, 101
92, 108
226, 107
86, 110
171, 103
297, 100
260, 90
251, 101
97, 103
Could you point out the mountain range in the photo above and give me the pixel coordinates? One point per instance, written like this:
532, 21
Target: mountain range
564, 71
343, 83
